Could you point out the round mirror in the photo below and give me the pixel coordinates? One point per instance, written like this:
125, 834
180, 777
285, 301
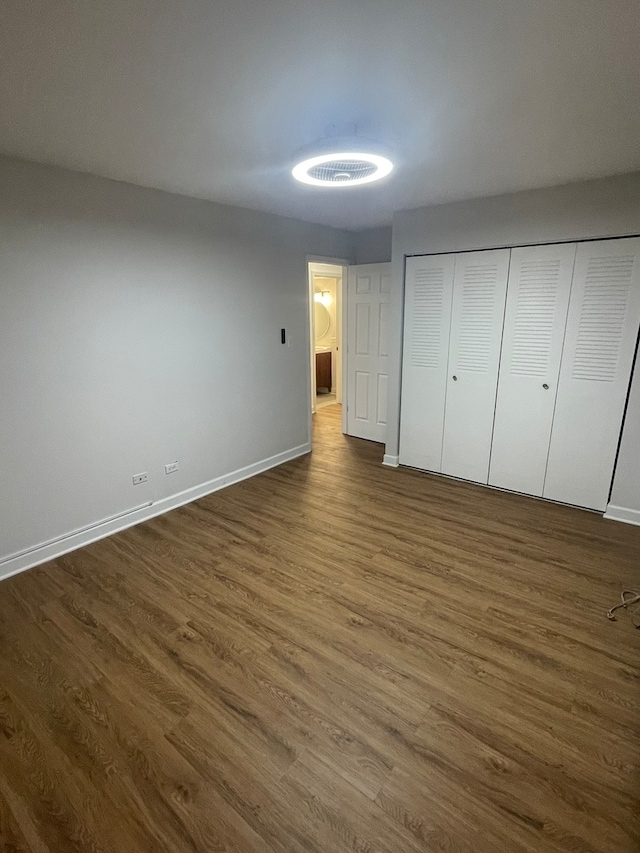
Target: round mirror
322, 320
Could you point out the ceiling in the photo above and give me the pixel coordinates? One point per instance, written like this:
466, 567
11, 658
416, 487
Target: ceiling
211, 98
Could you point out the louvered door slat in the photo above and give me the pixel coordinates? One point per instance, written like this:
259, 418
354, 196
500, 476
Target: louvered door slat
427, 315
535, 319
602, 328
426, 334
480, 283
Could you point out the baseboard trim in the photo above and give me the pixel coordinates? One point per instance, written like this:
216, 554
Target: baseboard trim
29, 558
621, 513
391, 461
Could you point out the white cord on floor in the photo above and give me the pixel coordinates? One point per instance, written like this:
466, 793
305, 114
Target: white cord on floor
628, 598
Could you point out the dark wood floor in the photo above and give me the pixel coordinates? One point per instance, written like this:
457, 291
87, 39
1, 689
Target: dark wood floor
330, 657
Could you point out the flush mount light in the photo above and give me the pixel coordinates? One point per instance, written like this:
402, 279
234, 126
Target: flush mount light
341, 163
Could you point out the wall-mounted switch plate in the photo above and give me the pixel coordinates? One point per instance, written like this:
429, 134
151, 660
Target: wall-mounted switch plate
140, 478
171, 467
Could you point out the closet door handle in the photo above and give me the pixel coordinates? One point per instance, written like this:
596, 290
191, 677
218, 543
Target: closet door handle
545, 386
455, 378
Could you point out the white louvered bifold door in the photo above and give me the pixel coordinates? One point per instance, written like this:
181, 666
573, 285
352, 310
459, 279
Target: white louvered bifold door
427, 316
535, 321
369, 292
600, 340
477, 316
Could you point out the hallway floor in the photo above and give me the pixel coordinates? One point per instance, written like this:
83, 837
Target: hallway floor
323, 400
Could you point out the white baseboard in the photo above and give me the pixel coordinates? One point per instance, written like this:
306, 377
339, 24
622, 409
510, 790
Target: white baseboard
391, 461
621, 513
20, 562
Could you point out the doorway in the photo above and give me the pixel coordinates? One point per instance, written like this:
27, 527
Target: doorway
325, 323
349, 344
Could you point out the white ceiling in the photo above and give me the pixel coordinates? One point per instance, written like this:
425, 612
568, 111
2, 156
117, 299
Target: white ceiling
212, 97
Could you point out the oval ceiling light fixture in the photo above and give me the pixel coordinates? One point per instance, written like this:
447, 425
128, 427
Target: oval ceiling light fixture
341, 162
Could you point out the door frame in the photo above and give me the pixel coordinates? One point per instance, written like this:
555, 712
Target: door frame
341, 320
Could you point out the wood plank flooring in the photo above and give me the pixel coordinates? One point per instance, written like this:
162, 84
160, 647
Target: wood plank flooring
330, 657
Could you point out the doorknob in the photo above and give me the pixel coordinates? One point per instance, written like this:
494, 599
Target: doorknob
545, 386
455, 378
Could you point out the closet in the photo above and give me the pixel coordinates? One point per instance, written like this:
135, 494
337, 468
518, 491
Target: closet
516, 365
477, 313
534, 327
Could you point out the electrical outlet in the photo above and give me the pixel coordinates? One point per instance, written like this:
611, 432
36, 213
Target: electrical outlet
171, 467
140, 478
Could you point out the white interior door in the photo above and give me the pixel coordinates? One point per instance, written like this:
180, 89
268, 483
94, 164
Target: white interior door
477, 317
368, 292
535, 321
427, 318
600, 340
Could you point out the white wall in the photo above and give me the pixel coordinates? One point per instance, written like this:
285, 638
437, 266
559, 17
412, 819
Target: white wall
137, 328
372, 246
602, 208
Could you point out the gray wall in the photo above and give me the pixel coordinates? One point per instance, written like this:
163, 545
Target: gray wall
602, 208
136, 328
372, 246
